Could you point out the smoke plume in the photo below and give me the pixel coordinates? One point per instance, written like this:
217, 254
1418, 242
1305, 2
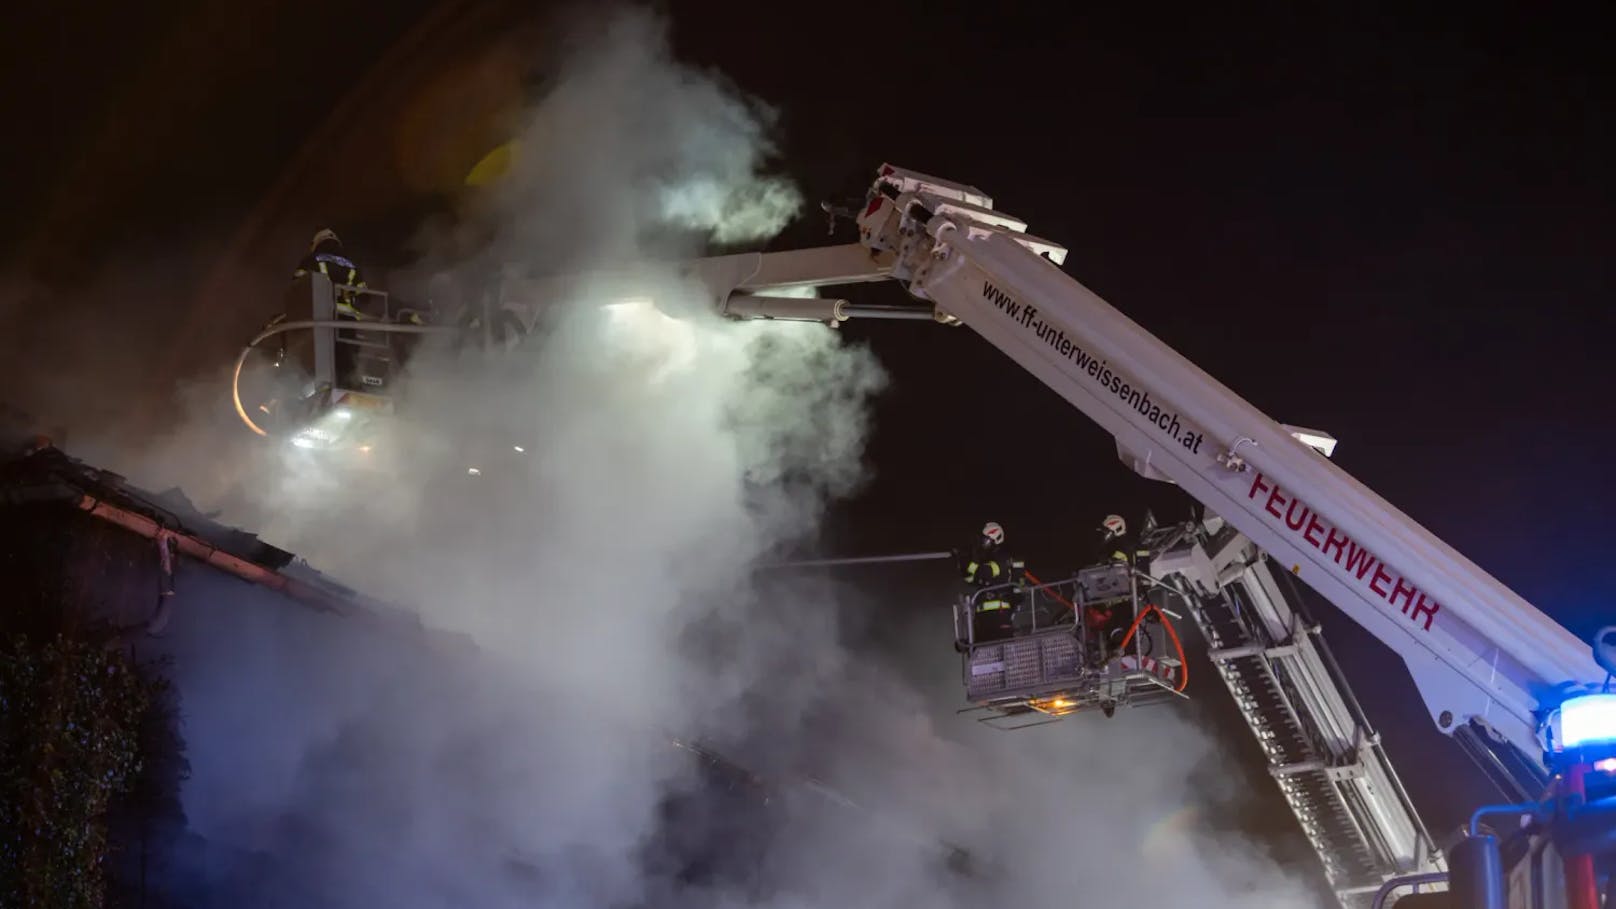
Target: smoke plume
576, 527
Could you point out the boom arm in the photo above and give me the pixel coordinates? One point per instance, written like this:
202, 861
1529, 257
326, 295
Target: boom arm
1476, 650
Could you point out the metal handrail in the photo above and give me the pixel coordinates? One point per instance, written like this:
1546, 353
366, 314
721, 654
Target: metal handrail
300, 325
970, 602
1040, 595
1407, 880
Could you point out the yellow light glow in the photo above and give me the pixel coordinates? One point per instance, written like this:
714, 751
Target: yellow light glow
1053, 706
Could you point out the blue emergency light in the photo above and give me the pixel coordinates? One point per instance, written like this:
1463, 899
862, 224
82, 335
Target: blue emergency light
1588, 721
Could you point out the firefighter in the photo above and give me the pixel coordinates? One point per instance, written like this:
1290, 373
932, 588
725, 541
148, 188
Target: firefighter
1109, 621
1113, 539
1117, 546
325, 256
348, 287
988, 569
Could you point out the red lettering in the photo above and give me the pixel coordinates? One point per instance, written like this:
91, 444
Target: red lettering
1306, 513
1312, 525
1273, 497
1406, 592
1257, 485
1338, 540
1380, 578
1359, 560
1426, 608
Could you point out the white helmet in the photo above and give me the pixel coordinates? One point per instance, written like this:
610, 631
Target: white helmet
993, 533
1113, 526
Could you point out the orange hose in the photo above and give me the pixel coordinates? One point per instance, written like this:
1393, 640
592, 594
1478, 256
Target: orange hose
1037, 583
1183, 664
1172, 633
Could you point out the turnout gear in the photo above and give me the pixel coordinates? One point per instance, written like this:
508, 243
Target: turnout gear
326, 258
987, 570
1108, 622
992, 573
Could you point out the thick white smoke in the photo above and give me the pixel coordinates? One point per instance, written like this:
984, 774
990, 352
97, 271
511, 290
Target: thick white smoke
626, 144
593, 594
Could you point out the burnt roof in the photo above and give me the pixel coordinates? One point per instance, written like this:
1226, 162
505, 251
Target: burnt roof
48, 474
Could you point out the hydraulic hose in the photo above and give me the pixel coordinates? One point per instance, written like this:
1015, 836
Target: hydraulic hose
1183, 664
283, 327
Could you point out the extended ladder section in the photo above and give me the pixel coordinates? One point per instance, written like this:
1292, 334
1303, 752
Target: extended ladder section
1328, 762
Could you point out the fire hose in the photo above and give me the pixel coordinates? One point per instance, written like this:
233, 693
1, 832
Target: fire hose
861, 560
283, 327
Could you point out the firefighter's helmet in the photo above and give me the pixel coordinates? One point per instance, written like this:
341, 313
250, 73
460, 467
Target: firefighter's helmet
993, 533
324, 236
1113, 526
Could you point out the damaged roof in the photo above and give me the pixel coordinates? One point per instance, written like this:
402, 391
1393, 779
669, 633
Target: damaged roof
39, 474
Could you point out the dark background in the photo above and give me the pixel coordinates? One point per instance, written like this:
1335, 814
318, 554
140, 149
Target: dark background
1392, 225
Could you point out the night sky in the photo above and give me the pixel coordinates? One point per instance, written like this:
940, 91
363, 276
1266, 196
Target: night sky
1392, 226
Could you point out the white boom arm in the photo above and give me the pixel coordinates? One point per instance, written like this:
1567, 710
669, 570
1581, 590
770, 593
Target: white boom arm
1475, 649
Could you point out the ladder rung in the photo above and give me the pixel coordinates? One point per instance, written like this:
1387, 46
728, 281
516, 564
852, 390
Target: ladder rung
1284, 770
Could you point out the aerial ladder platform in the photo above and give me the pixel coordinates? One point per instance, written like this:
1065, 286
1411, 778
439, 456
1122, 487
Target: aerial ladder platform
1057, 660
